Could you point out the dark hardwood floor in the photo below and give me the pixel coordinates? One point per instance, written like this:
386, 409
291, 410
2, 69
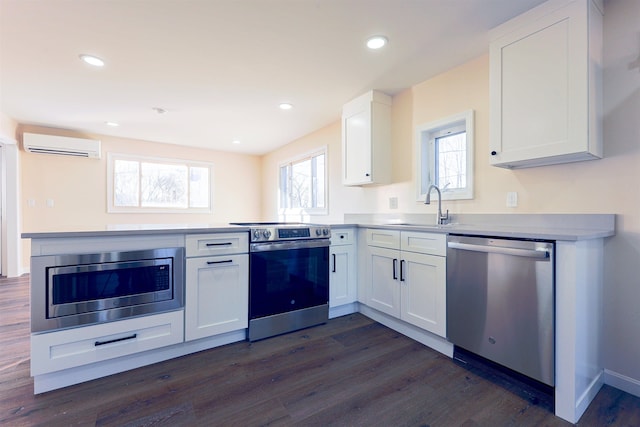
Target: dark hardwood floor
351, 371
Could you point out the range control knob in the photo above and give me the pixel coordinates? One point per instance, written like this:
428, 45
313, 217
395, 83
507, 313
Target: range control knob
318, 232
325, 231
266, 234
256, 234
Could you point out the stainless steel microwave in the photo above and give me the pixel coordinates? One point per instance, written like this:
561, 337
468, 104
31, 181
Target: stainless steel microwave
73, 290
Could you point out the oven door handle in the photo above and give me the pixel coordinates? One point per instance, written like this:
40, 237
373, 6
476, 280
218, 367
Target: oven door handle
282, 246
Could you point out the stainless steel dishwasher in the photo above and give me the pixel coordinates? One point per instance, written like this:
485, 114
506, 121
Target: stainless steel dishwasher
500, 302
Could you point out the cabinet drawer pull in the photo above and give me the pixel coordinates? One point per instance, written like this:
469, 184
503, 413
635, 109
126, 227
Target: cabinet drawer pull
226, 261
220, 244
130, 337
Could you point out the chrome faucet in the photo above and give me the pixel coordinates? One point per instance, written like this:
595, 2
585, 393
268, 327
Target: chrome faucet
441, 219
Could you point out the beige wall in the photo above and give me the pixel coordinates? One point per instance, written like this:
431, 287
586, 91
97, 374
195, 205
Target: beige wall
341, 199
609, 185
7, 127
77, 186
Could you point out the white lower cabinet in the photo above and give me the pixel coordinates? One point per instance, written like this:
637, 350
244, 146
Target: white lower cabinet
408, 285
423, 291
217, 295
217, 284
384, 288
342, 268
70, 348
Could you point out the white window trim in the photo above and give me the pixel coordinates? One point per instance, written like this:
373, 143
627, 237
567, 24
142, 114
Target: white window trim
111, 157
426, 131
309, 211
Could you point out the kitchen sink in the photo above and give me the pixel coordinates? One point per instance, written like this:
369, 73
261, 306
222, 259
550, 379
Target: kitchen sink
411, 224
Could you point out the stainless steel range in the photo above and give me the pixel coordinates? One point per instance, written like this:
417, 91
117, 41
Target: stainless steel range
288, 277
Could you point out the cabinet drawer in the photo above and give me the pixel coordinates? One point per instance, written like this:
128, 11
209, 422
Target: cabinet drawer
216, 244
55, 351
383, 238
425, 243
342, 236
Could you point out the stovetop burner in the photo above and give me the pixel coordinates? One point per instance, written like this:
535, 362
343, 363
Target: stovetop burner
275, 231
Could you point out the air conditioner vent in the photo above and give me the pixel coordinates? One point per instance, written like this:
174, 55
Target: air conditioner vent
61, 145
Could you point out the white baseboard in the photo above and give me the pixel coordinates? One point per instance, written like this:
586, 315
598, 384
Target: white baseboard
622, 382
587, 397
343, 310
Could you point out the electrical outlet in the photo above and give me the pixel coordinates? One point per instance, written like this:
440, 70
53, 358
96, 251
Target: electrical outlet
393, 203
31, 203
50, 203
512, 199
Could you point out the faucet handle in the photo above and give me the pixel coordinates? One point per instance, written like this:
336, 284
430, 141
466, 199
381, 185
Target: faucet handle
444, 218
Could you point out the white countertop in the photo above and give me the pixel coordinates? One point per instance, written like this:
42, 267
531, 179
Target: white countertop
568, 227
136, 229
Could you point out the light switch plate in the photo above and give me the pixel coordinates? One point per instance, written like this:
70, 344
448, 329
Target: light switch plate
512, 199
393, 203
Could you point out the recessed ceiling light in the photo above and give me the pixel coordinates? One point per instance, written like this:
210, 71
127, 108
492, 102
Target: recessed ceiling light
286, 106
235, 141
92, 60
112, 124
376, 42
159, 110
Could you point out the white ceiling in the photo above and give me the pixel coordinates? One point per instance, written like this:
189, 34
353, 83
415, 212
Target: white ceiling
221, 67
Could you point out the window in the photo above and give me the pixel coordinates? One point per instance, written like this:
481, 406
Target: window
303, 184
445, 157
144, 184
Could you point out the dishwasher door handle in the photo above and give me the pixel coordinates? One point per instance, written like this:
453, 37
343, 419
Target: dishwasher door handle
531, 253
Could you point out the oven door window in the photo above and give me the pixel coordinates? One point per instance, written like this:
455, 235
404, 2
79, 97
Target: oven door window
92, 287
288, 280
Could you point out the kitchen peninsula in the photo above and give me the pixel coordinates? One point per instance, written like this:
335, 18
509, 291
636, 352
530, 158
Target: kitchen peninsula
76, 354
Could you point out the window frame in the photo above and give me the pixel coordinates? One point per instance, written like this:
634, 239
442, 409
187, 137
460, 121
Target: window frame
283, 210
426, 157
112, 208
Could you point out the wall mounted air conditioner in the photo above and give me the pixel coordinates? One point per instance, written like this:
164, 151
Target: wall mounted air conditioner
61, 145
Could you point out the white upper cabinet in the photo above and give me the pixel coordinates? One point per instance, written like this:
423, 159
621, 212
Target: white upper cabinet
546, 86
366, 140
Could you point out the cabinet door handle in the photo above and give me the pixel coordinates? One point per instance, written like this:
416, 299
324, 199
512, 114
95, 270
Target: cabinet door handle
395, 263
494, 153
226, 261
220, 244
401, 270
334, 263
130, 337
